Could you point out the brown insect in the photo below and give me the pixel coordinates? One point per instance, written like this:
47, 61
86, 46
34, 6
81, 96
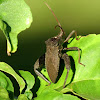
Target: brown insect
53, 54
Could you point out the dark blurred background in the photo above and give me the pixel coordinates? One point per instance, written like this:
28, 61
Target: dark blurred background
80, 15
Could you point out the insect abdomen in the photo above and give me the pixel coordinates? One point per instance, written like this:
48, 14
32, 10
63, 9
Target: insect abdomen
52, 62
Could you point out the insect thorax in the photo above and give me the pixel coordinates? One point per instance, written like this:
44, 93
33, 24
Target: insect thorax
54, 41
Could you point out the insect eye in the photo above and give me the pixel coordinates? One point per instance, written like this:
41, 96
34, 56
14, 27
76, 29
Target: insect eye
53, 39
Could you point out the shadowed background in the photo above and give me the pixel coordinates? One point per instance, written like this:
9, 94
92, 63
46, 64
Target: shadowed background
80, 15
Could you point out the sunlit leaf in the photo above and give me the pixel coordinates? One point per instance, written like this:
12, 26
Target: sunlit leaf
50, 94
87, 79
7, 84
15, 16
8, 69
30, 81
82, 81
4, 94
59, 84
22, 97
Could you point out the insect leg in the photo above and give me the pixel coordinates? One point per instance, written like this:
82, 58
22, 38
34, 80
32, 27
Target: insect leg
37, 66
66, 59
71, 35
75, 48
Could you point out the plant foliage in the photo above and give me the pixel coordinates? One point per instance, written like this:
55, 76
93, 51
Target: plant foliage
82, 82
15, 16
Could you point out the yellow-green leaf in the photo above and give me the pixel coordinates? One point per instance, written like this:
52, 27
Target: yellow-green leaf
15, 16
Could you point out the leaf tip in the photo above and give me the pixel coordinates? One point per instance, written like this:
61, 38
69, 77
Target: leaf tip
8, 53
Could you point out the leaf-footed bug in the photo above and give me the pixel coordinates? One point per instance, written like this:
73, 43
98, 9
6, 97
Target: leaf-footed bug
53, 54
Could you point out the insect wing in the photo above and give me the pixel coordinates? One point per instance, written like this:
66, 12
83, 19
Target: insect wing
52, 62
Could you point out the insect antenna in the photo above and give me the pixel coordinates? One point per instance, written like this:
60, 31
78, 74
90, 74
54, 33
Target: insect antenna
59, 25
53, 14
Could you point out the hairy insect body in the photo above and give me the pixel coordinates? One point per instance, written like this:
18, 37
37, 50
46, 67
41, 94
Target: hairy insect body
53, 54
52, 57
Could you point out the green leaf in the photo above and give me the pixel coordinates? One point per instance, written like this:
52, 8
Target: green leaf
50, 94
59, 85
22, 97
86, 82
3, 94
30, 81
82, 81
7, 84
6, 68
15, 16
